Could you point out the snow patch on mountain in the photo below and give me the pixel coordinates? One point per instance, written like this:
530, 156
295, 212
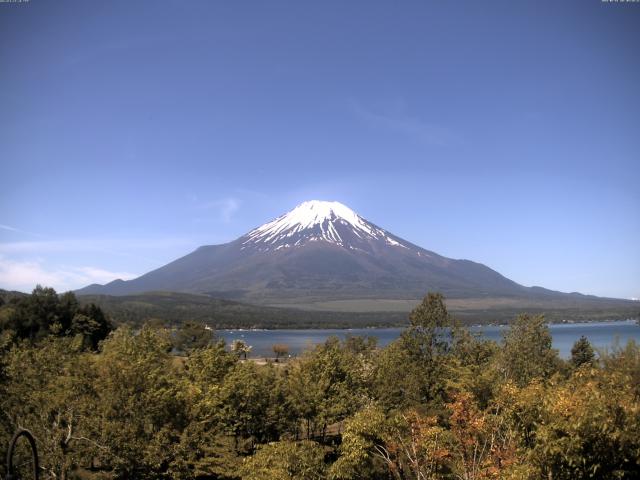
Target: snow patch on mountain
317, 220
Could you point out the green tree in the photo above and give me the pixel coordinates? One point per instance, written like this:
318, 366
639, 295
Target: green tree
326, 386
412, 369
359, 456
582, 353
431, 313
626, 361
205, 452
472, 366
206, 368
527, 351
36, 315
91, 324
250, 405
360, 345
399, 380
590, 428
192, 336
240, 348
140, 408
67, 308
205, 448
302, 460
50, 390
44, 312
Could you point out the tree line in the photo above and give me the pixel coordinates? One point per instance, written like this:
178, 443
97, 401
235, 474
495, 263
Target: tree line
437, 403
175, 309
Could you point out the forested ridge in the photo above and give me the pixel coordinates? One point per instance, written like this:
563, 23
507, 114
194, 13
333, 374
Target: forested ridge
172, 309
437, 403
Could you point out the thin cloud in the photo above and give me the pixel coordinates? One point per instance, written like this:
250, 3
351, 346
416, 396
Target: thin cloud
101, 245
9, 228
226, 207
25, 275
415, 128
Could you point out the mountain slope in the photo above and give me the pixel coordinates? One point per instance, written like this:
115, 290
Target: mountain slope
321, 251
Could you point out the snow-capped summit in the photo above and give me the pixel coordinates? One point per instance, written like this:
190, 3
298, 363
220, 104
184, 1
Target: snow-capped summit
313, 212
318, 221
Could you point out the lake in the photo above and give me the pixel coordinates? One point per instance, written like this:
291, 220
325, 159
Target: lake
600, 334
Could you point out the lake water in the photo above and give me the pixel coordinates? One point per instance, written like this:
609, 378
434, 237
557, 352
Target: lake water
600, 334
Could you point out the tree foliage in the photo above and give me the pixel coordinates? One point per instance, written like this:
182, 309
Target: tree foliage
302, 460
327, 385
192, 336
280, 350
44, 312
527, 353
240, 348
411, 371
582, 353
590, 428
438, 403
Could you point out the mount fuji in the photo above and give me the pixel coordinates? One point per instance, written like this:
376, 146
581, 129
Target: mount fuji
323, 252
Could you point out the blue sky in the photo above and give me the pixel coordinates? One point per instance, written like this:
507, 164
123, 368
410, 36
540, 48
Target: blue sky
503, 132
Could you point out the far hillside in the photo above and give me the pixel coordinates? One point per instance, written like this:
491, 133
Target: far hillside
175, 308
